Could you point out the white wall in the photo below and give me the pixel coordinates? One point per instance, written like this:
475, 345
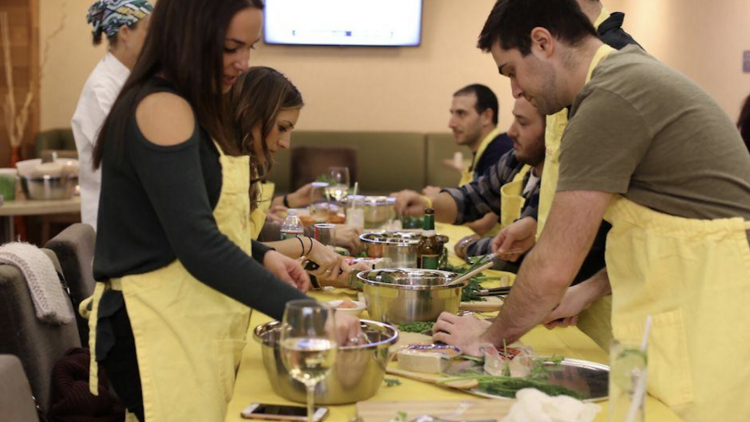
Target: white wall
409, 89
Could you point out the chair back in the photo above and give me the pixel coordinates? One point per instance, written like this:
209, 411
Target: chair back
16, 401
37, 345
55, 139
74, 248
309, 162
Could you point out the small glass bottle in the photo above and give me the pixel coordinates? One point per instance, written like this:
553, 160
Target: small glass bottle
428, 250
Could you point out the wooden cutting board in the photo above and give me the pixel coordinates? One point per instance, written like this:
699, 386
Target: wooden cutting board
384, 411
491, 304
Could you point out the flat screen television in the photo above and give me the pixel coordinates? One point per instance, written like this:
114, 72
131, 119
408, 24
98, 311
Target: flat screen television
382, 23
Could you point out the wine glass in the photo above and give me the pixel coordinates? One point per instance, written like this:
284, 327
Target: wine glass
308, 344
340, 182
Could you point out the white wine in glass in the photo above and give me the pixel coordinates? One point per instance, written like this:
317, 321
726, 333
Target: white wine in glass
308, 344
339, 183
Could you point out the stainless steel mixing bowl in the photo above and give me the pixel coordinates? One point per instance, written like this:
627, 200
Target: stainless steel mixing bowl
403, 295
356, 375
48, 187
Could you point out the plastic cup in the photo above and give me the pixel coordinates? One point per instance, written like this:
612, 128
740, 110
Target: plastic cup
8, 181
627, 382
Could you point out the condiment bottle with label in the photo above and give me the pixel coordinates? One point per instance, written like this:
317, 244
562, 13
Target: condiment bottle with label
428, 250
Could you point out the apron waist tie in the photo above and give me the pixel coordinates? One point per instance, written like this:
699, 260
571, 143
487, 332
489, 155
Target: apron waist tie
93, 316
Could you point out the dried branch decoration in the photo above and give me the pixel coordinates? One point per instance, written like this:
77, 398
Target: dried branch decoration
15, 120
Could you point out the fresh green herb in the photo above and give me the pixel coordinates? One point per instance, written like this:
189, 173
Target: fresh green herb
326, 178
541, 367
416, 327
400, 417
468, 293
509, 386
362, 255
506, 359
391, 382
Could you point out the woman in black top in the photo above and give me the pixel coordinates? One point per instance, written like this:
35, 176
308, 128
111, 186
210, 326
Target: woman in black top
172, 253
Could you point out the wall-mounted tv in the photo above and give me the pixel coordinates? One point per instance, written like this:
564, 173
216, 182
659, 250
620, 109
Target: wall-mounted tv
384, 23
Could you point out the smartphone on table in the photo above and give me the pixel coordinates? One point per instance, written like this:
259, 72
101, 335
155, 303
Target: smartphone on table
281, 412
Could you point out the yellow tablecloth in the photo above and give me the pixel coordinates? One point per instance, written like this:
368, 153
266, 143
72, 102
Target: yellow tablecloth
253, 385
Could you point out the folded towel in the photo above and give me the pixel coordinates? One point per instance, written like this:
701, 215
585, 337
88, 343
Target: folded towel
50, 301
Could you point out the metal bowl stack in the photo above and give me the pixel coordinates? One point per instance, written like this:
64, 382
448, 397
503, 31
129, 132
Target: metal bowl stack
404, 295
378, 210
399, 246
49, 187
356, 375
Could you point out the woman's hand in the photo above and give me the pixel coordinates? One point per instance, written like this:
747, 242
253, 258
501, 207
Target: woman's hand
287, 269
348, 329
330, 264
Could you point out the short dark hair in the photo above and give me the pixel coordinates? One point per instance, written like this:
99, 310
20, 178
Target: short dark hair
743, 123
485, 99
511, 22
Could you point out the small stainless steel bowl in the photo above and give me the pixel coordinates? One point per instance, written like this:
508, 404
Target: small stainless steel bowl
48, 187
404, 295
399, 246
356, 375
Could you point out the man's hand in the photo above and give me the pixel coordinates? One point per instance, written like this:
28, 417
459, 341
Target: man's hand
577, 299
348, 237
410, 203
515, 240
464, 332
451, 164
287, 269
431, 191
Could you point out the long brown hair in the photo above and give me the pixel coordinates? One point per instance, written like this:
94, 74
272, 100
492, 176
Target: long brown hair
256, 99
185, 46
743, 122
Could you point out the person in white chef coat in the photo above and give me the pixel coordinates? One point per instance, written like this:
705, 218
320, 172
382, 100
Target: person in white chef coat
124, 23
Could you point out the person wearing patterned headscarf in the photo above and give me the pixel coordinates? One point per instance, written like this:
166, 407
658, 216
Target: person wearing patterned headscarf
125, 24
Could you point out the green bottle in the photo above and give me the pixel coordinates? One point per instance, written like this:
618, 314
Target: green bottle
428, 250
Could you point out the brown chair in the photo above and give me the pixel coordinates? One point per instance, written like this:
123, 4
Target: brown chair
74, 248
16, 401
37, 345
309, 162
48, 154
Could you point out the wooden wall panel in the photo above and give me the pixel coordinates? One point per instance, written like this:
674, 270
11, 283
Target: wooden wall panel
23, 17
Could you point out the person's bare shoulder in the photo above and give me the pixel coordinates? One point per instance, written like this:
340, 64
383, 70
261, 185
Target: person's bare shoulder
165, 119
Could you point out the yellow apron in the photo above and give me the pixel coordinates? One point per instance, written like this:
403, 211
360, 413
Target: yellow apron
189, 337
512, 199
258, 215
595, 321
467, 176
693, 277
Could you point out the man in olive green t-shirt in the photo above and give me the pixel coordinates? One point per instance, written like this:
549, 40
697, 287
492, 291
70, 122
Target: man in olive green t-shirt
651, 152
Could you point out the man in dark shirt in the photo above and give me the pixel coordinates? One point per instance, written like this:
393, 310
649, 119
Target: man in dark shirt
474, 117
